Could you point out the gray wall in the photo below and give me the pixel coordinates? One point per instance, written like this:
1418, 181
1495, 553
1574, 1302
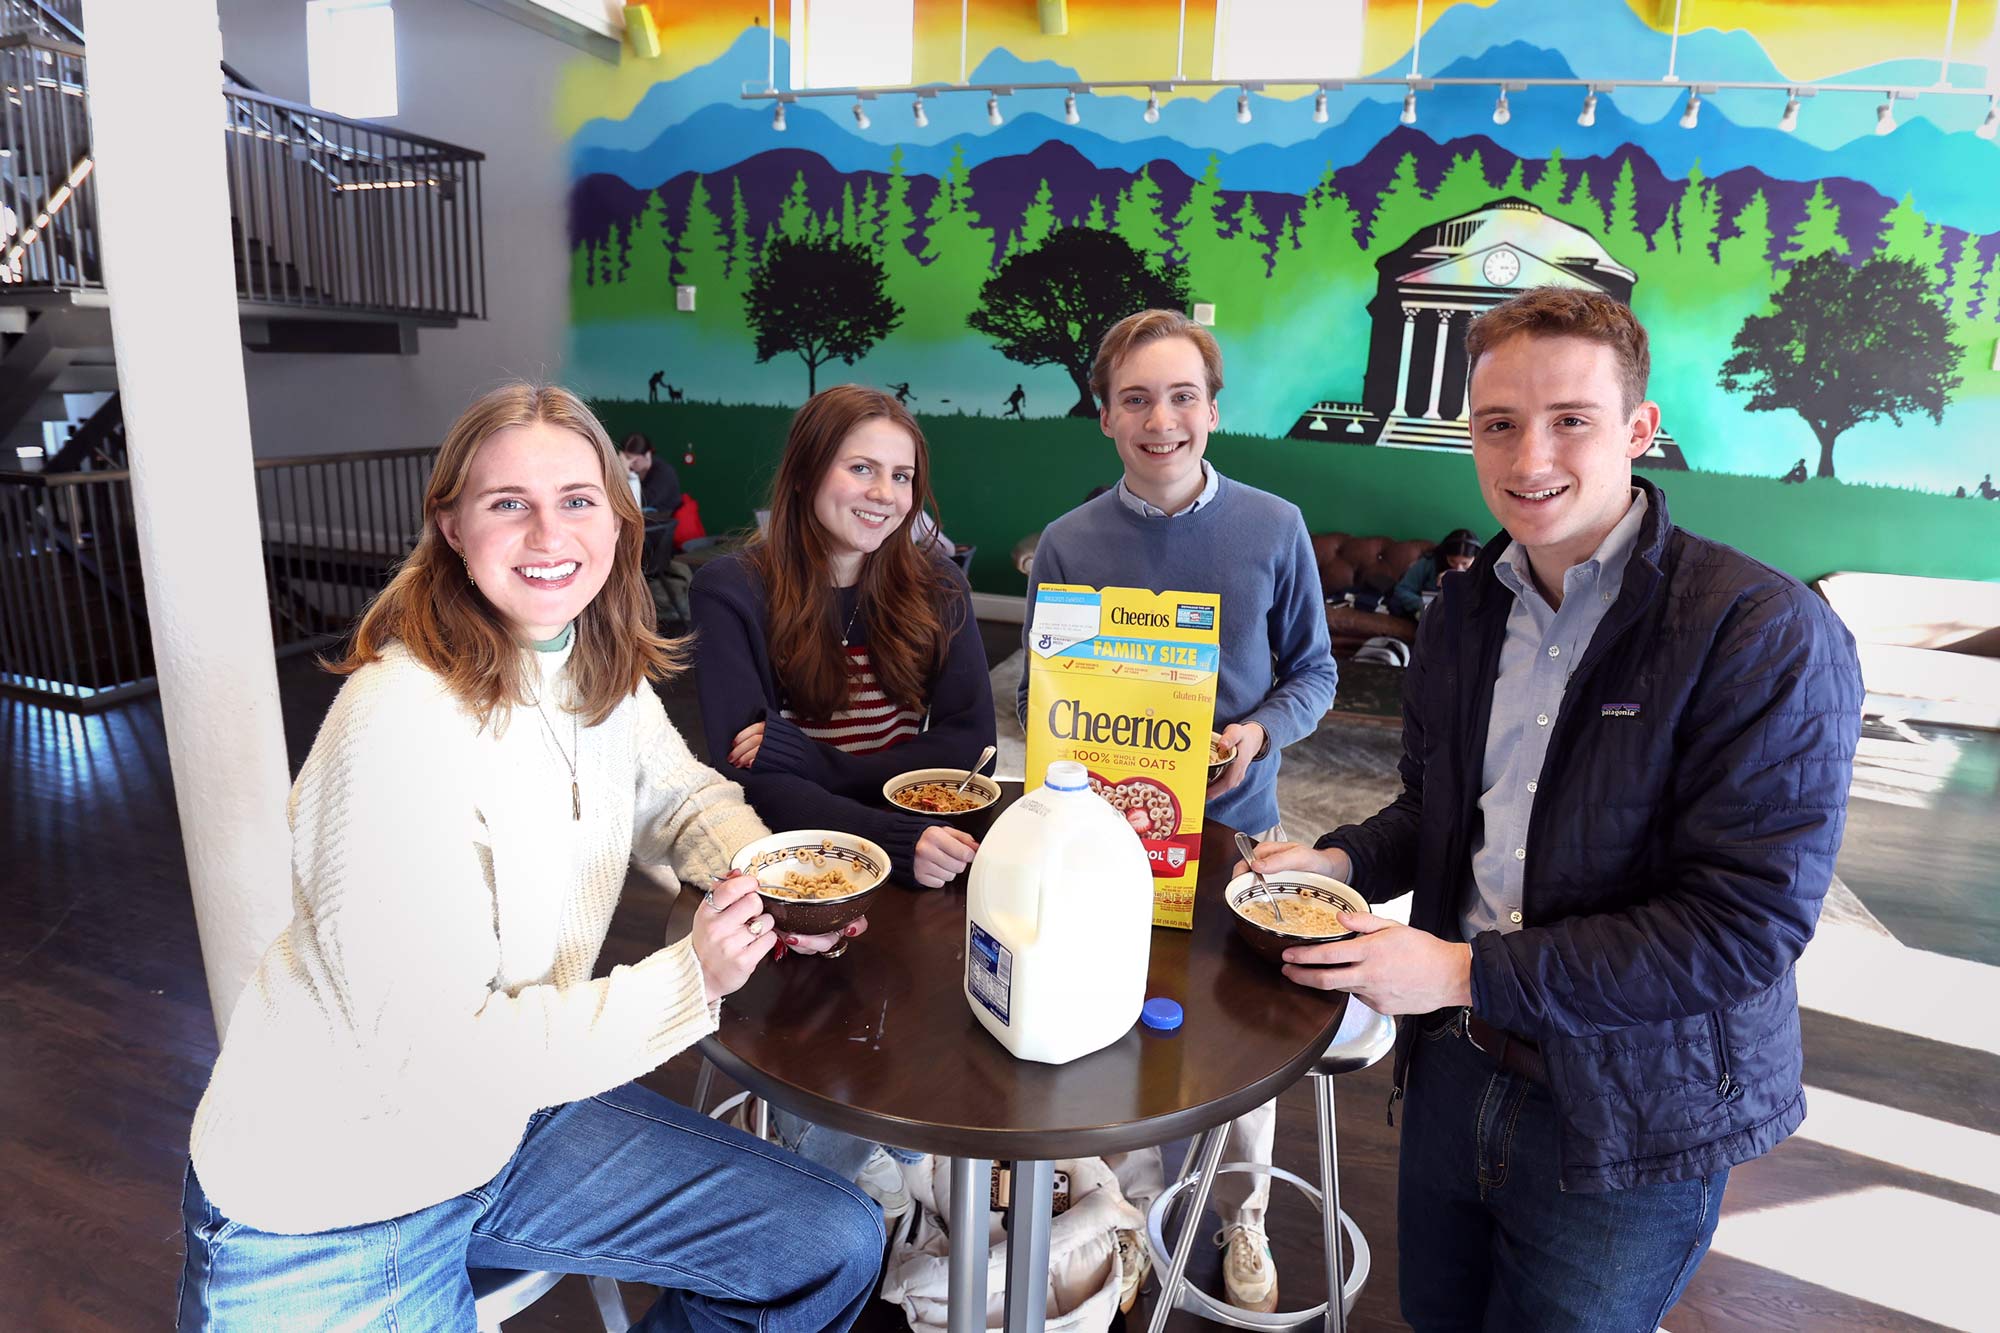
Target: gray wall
471, 77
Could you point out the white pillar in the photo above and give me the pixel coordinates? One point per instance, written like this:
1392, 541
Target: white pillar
1437, 364
156, 118
1403, 366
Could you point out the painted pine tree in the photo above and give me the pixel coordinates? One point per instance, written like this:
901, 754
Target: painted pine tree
1400, 209
1818, 232
1907, 235
1138, 221
703, 261
957, 255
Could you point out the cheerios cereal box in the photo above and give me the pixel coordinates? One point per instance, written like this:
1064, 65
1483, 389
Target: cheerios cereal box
1122, 680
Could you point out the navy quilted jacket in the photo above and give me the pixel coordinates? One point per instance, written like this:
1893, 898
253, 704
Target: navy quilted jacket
1682, 839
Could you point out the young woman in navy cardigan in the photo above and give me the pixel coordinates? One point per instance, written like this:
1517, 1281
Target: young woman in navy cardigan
835, 652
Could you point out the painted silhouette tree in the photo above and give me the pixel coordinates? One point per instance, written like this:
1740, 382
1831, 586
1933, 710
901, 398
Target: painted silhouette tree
1846, 345
820, 299
1050, 305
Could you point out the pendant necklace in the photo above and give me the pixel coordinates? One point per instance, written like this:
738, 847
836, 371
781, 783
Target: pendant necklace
849, 630
570, 757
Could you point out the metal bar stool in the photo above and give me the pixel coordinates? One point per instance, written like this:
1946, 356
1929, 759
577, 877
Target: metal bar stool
1363, 1038
499, 1294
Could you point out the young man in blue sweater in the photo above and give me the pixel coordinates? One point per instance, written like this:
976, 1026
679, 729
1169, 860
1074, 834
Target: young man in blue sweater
1174, 522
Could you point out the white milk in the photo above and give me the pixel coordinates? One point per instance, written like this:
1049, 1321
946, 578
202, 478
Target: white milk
1058, 922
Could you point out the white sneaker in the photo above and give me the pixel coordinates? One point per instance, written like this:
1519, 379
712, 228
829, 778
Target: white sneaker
881, 1179
1135, 1260
1249, 1275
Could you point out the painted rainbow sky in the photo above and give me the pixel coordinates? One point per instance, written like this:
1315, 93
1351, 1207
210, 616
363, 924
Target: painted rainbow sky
1807, 40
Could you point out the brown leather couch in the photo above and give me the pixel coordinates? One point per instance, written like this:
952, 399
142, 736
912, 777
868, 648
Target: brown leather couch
1376, 563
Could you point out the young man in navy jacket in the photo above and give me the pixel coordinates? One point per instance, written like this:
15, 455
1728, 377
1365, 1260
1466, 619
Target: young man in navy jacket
1626, 756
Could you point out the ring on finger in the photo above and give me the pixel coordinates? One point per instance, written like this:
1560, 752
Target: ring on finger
838, 949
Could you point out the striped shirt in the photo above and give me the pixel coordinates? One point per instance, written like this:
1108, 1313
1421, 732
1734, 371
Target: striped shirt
870, 722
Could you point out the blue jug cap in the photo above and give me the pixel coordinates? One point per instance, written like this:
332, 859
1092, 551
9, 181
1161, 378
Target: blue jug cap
1161, 1014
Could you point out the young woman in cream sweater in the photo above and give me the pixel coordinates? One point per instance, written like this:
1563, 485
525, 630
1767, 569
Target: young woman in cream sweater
423, 1075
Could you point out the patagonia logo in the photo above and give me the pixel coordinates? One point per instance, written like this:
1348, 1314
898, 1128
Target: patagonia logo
1618, 710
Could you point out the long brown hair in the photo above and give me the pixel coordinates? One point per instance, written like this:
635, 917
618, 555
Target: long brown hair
905, 591
432, 609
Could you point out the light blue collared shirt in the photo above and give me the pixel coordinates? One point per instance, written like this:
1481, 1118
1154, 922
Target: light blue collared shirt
1212, 482
1542, 648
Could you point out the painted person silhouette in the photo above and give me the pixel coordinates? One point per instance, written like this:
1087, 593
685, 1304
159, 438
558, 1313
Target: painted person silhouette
1014, 401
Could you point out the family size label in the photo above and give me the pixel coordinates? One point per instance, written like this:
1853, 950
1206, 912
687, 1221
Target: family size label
1122, 680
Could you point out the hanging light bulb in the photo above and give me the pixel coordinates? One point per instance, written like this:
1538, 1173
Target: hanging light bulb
1588, 116
1693, 112
918, 113
993, 116
1991, 125
1069, 110
1790, 120
778, 117
1501, 113
1151, 115
1243, 108
1409, 116
1885, 114
1319, 107
861, 113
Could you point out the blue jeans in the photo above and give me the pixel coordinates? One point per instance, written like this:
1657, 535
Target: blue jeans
1487, 1240
741, 1234
839, 1152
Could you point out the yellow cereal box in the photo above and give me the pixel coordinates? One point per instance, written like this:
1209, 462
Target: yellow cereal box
1123, 681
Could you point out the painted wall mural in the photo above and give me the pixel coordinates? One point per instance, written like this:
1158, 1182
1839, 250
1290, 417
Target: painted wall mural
1824, 302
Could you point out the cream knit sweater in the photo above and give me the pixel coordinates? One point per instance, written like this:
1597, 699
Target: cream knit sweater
434, 987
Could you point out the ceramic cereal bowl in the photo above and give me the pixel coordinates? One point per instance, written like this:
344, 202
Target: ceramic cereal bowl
814, 881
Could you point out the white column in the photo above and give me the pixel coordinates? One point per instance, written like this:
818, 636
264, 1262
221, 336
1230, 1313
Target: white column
1403, 366
1437, 364
156, 120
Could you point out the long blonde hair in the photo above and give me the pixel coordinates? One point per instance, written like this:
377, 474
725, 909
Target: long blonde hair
432, 609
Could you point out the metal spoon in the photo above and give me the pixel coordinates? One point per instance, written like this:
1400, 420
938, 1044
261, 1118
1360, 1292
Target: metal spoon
984, 755
1248, 850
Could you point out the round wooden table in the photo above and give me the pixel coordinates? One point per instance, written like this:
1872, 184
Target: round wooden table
882, 1044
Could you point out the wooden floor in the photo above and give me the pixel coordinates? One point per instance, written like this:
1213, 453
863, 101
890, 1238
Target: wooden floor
106, 1039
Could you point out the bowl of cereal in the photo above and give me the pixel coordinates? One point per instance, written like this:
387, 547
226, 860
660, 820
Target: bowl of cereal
813, 881
1150, 807
1311, 904
1220, 756
934, 791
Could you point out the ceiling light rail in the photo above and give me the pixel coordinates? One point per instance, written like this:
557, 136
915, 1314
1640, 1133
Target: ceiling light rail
1699, 91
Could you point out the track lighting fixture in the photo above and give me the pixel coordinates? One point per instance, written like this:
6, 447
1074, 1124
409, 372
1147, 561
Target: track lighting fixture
918, 114
1693, 112
993, 116
1319, 107
1151, 115
861, 113
1069, 110
1243, 108
1409, 116
1790, 120
1588, 116
778, 117
1501, 112
1885, 114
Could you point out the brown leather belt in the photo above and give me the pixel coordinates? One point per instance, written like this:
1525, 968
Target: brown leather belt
1515, 1055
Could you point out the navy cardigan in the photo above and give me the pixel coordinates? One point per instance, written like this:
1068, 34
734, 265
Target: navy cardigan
795, 781
1683, 837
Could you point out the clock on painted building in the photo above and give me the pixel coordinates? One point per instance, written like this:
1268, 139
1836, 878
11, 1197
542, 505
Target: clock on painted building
1502, 267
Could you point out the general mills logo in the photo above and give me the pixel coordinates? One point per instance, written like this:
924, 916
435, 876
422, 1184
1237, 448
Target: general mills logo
1046, 641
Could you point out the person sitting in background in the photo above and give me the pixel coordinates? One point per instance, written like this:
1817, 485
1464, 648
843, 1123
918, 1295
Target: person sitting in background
423, 1075
1420, 581
659, 498
834, 653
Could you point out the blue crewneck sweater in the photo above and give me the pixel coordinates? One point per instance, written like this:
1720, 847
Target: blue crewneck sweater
1249, 546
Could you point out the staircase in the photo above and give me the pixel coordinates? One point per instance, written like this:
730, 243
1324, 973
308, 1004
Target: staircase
349, 236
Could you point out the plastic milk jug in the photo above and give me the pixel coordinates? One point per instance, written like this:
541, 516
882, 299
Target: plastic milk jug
1058, 922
